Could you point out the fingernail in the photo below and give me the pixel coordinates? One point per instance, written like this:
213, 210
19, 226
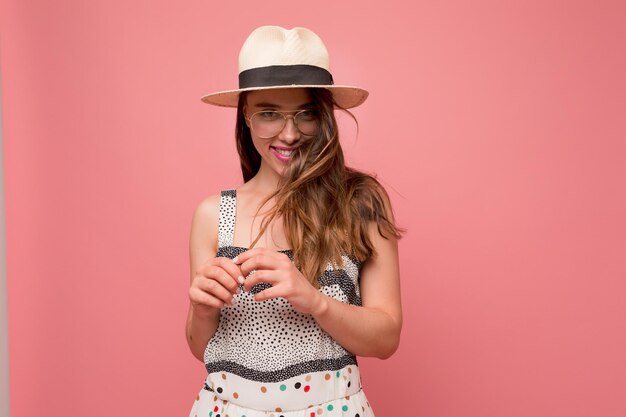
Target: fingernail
235, 259
241, 280
233, 302
238, 290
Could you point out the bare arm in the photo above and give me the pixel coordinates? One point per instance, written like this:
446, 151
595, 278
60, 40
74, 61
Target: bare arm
372, 329
211, 286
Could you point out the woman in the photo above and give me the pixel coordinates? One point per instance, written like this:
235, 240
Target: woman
295, 273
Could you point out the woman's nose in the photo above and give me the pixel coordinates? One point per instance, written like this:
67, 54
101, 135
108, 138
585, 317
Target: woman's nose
290, 132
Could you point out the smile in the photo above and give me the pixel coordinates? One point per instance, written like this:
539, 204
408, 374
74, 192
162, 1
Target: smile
282, 154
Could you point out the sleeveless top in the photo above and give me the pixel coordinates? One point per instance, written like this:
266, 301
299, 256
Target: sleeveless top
266, 355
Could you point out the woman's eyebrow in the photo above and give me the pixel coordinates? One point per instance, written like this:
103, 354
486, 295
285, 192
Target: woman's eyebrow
266, 104
276, 106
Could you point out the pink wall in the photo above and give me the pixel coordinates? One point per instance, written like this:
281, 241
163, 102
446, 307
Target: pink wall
497, 126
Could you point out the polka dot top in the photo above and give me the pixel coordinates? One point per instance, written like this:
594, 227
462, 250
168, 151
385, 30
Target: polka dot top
266, 355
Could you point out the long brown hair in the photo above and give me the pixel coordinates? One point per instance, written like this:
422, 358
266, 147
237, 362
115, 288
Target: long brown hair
325, 206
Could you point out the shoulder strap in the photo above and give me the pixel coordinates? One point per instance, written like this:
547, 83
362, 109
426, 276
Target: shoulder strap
226, 228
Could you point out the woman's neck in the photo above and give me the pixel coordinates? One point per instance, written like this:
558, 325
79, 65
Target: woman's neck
264, 182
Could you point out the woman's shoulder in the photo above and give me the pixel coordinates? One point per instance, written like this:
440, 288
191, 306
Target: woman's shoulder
204, 230
207, 210
206, 214
205, 221
210, 205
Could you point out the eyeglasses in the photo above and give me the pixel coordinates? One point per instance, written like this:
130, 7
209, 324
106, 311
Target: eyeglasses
269, 123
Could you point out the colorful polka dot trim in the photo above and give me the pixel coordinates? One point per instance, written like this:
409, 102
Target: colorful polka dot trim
338, 407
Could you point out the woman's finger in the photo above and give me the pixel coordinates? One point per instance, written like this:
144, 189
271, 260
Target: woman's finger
244, 256
197, 296
231, 269
266, 294
266, 259
261, 275
214, 288
217, 273
258, 261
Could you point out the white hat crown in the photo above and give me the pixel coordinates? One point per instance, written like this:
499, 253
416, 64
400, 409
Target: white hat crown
275, 45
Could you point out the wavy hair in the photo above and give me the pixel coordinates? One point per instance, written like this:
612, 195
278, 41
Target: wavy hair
326, 206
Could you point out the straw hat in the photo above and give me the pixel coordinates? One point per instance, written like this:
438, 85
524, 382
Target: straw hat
274, 57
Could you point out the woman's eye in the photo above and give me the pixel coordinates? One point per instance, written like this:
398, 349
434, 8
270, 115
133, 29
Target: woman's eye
307, 115
269, 115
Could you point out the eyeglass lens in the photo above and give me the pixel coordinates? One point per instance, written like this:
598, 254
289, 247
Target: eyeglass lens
267, 124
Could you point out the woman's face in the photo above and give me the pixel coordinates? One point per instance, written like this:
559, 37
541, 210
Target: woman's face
275, 150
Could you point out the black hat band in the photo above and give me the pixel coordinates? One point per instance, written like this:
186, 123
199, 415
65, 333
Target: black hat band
286, 75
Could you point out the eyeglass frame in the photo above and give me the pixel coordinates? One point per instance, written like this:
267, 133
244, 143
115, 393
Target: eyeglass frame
285, 117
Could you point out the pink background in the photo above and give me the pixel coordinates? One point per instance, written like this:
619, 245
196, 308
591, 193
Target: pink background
497, 126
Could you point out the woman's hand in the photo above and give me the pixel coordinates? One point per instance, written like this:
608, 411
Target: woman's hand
214, 285
287, 281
